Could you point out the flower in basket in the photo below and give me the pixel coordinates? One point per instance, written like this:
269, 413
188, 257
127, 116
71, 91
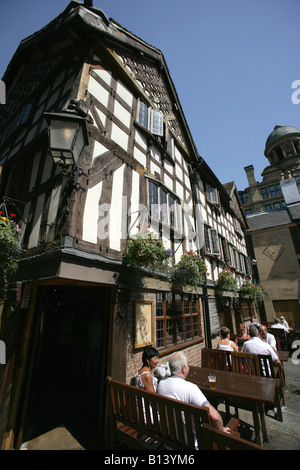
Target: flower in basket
146, 250
247, 289
261, 293
256, 292
190, 271
226, 280
10, 250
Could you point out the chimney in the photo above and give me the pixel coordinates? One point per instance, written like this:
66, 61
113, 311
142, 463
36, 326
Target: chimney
88, 3
250, 174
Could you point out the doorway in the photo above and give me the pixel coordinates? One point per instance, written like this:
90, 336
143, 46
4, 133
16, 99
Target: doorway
71, 364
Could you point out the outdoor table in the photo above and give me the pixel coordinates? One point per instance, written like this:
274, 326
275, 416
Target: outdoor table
244, 391
283, 355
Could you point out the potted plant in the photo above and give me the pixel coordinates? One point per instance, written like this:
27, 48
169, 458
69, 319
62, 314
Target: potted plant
146, 250
10, 250
190, 271
226, 280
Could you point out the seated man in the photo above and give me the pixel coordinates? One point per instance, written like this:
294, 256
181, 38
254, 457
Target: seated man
176, 386
277, 324
256, 346
267, 337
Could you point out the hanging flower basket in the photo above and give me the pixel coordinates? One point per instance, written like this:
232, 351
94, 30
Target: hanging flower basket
252, 291
190, 271
10, 251
226, 281
146, 250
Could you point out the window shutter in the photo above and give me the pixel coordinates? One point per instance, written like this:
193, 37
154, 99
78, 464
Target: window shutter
226, 251
157, 123
214, 241
215, 317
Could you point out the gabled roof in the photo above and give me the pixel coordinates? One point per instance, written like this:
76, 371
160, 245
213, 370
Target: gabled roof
236, 205
80, 21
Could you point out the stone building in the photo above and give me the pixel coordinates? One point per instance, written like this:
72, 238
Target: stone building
272, 209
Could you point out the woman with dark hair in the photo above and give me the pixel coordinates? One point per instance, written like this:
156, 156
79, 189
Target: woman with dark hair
145, 378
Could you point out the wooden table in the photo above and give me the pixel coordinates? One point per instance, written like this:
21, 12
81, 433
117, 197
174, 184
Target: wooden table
247, 392
283, 355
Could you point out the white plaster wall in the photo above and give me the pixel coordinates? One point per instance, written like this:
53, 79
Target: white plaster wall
122, 114
139, 156
124, 93
55, 195
116, 210
119, 136
98, 91
98, 150
34, 236
34, 170
134, 208
91, 211
104, 74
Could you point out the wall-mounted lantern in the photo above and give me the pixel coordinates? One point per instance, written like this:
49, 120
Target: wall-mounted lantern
67, 133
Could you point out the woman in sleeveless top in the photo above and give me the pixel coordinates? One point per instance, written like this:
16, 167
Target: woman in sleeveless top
226, 344
145, 378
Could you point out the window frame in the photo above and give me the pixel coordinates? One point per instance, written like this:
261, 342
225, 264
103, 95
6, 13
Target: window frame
212, 195
180, 315
150, 118
166, 212
211, 241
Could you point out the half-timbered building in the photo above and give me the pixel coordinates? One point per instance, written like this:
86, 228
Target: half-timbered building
73, 312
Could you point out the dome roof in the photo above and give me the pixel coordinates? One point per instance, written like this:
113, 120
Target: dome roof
280, 131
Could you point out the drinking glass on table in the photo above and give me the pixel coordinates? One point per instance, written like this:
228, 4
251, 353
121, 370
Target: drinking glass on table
212, 381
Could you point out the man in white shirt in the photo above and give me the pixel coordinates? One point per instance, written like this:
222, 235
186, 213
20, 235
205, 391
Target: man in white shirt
267, 337
277, 324
256, 346
179, 388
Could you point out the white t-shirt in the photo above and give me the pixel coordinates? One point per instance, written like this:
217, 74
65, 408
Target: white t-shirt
271, 341
279, 325
256, 346
180, 389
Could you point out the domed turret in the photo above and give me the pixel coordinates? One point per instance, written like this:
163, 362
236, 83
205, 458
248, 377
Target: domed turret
278, 133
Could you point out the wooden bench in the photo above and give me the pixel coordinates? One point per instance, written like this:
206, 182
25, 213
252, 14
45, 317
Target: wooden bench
218, 440
283, 337
146, 420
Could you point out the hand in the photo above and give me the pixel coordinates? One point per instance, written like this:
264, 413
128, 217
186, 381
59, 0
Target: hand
227, 430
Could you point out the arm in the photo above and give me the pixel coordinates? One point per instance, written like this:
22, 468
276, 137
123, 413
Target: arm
147, 381
216, 419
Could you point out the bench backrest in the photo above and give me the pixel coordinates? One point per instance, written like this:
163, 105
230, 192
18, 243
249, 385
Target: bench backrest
218, 440
266, 366
245, 363
214, 359
283, 336
171, 422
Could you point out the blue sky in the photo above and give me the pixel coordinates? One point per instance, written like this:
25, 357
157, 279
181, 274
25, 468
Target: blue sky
233, 63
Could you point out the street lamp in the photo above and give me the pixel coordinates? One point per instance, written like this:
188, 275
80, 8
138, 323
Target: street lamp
67, 132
